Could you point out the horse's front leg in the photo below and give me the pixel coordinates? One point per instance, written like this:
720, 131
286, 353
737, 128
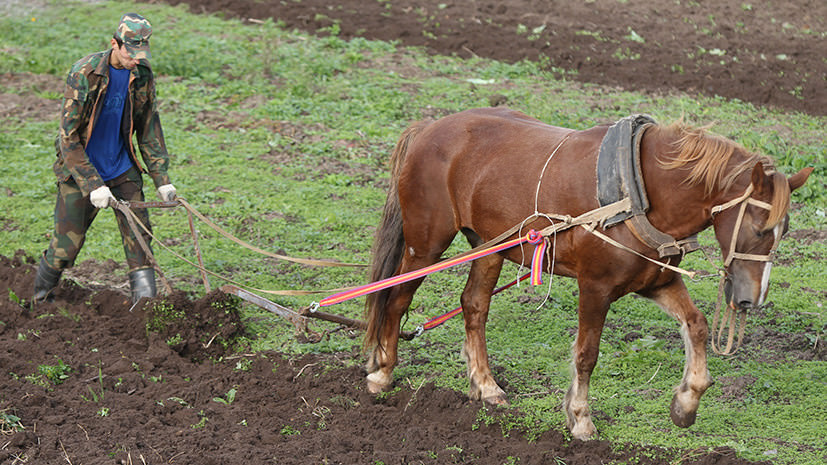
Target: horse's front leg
475, 300
675, 300
592, 309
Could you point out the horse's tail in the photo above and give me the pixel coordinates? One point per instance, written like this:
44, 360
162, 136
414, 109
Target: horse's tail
388, 242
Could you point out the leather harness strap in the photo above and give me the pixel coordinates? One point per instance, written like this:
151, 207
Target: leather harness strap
665, 244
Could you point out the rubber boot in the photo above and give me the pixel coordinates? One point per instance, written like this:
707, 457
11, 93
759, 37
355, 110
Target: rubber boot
45, 282
142, 283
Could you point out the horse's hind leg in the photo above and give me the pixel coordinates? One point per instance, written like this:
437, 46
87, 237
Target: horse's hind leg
383, 358
418, 254
475, 304
675, 300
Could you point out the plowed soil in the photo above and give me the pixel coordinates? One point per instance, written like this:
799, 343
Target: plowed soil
766, 53
94, 382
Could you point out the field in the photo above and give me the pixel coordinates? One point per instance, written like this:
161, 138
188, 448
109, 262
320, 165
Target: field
280, 131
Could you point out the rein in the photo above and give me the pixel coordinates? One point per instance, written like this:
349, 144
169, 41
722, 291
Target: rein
304, 261
134, 222
731, 314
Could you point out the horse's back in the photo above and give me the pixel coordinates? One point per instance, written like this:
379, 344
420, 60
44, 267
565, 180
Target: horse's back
488, 162
480, 127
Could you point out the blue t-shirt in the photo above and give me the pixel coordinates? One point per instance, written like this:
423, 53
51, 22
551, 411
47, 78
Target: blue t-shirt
106, 147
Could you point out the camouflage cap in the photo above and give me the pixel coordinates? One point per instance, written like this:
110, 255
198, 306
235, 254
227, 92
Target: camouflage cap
134, 31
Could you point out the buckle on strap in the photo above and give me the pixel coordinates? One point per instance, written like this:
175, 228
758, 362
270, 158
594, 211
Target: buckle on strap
680, 247
665, 244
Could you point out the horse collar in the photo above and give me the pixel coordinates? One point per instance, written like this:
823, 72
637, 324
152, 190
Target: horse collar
619, 177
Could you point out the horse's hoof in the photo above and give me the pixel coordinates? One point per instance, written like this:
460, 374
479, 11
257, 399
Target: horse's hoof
587, 432
377, 383
679, 416
498, 399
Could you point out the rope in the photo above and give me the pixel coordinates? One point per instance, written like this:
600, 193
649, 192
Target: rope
690, 274
439, 320
731, 314
126, 208
588, 220
543, 172
304, 261
719, 323
131, 219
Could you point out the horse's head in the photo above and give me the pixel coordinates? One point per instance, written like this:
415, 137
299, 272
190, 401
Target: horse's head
749, 228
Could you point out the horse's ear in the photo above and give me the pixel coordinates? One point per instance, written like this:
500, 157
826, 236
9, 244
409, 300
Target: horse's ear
798, 179
758, 176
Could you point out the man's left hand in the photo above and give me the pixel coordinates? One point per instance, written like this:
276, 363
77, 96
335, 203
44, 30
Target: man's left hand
167, 193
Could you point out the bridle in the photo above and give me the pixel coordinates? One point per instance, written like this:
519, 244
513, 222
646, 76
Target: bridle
745, 200
729, 317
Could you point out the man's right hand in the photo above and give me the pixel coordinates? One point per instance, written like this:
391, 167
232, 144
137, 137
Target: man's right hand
101, 196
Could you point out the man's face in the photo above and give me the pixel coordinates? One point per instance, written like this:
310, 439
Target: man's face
122, 56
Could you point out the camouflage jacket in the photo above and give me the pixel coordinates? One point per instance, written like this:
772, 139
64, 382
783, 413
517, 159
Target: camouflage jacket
82, 103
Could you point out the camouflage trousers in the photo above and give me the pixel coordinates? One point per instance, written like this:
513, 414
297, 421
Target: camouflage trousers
74, 214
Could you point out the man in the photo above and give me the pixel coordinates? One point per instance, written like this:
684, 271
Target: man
108, 97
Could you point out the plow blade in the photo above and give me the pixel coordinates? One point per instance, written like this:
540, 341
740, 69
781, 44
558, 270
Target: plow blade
268, 305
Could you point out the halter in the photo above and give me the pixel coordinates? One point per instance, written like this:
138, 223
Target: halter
732, 313
744, 200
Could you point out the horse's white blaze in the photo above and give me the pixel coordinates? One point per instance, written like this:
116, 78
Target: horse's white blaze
765, 277
765, 283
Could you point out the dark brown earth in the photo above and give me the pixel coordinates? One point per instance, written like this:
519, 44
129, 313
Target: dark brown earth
766, 53
137, 396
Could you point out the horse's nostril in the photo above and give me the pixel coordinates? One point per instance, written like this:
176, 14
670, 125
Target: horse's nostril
745, 304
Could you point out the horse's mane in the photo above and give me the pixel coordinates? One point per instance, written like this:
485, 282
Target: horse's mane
716, 162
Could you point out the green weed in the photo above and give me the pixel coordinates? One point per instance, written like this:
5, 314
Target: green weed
202, 421
96, 396
288, 430
55, 374
14, 298
243, 365
9, 423
228, 398
161, 315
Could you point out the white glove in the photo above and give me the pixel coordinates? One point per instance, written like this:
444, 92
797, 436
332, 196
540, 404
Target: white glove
167, 192
101, 196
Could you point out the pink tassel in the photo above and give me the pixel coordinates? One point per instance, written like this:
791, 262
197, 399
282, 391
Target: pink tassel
537, 262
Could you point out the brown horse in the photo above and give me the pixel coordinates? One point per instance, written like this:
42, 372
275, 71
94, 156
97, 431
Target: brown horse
482, 171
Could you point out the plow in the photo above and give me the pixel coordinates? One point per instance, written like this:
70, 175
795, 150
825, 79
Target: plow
299, 319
